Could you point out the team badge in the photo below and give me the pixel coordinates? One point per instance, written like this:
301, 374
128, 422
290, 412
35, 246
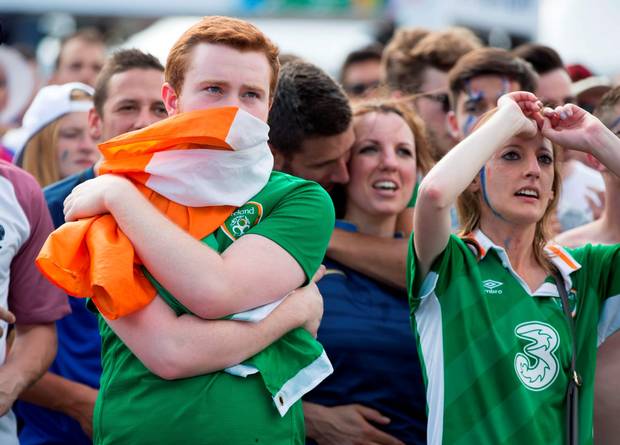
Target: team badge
243, 219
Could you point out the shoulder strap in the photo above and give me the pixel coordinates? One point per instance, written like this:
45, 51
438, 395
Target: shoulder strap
572, 394
559, 282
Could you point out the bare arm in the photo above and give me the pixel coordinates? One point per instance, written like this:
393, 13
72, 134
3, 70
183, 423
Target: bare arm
574, 128
238, 280
380, 258
177, 347
455, 172
32, 353
77, 401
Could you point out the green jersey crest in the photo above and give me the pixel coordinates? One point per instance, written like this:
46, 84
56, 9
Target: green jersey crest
243, 219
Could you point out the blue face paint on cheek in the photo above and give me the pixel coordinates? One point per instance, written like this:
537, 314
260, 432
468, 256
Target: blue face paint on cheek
469, 123
64, 155
485, 196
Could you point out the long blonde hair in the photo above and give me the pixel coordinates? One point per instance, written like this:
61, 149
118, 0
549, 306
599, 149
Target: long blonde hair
468, 206
41, 157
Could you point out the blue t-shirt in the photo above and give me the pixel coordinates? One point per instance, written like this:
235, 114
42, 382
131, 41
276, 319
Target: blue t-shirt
366, 333
79, 348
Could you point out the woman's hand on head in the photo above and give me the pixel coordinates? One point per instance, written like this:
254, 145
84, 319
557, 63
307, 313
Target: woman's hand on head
92, 197
527, 106
571, 127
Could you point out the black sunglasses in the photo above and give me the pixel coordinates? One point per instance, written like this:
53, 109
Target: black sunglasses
442, 98
358, 89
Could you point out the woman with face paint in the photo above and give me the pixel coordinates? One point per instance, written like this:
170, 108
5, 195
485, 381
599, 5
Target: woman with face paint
493, 326
54, 141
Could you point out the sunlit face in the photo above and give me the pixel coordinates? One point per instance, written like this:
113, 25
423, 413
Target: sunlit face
432, 106
80, 61
221, 76
481, 95
382, 165
133, 102
516, 183
76, 148
554, 88
322, 159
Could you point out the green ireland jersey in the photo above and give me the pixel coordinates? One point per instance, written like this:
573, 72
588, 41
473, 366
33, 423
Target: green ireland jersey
135, 406
495, 355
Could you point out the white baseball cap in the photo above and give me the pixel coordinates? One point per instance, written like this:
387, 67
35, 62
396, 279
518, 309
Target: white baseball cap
50, 103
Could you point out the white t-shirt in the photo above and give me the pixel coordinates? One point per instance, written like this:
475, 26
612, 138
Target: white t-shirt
573, 208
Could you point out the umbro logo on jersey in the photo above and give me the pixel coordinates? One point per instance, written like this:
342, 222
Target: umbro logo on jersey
490, 286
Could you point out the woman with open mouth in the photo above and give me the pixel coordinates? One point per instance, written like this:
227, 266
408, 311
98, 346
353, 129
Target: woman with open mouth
506, 323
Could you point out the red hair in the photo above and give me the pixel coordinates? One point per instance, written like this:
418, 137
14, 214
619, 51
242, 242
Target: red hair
238, 34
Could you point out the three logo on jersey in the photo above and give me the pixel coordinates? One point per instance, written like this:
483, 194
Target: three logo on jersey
536, 366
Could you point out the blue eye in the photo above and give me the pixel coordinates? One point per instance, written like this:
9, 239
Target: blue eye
213, 89
511, 156
252, 95
545, 159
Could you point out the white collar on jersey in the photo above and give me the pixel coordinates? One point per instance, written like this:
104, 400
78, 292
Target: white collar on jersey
557, 254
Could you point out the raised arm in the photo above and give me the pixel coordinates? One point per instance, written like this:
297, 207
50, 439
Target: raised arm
574, 128
174, 347
456, 171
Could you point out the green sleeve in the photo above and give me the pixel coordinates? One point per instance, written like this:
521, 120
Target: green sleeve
600, 265
455, 258
301, 223
414, 197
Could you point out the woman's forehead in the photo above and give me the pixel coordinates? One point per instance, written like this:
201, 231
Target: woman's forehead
535, 142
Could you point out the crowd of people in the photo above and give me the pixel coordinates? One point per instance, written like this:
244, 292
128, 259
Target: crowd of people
235, 247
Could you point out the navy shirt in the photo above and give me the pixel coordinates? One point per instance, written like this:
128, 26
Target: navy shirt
366, 333
79, 348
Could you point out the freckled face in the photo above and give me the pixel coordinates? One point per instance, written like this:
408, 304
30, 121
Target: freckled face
221, 76
517, 181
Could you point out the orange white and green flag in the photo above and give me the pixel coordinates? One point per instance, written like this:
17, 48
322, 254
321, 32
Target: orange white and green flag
195, 167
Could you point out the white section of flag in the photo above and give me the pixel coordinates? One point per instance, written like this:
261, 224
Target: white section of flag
247, 132
208, 177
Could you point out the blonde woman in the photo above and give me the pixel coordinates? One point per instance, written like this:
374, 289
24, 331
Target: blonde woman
55, 141
497, 311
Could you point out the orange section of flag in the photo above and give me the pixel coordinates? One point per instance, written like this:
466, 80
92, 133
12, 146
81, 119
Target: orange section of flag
93, 257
